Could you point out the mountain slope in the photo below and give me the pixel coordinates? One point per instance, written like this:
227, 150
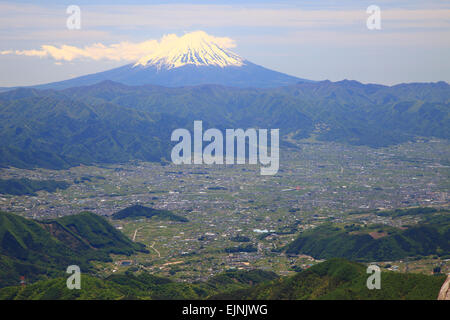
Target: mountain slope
112, 123
138, 211
29, 187
52, 131
339, 279
97, 232
348, 111
34, 249
357, 243
136, 286
248, 75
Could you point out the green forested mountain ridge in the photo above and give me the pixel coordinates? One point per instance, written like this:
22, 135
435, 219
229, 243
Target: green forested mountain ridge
53, 131
29, 187
395, 213
333, 279
36, 248
97, 232
140, 286
354, 112
138, 211
375, 243
110, 122
340, 279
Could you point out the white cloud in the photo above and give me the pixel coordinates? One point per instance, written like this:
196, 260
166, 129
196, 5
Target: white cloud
123, 51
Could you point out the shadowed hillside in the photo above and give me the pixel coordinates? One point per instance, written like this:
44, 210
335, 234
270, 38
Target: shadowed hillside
34, 249
339, 279
21, 187
333, 279
138, 211
112, 123
375, 243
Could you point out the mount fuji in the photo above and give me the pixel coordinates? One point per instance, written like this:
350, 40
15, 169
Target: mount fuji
193, 59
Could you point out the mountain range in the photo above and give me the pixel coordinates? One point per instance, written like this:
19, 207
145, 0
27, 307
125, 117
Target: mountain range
335, 279
111, 122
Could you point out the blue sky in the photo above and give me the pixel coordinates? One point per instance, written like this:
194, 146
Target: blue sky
310, 39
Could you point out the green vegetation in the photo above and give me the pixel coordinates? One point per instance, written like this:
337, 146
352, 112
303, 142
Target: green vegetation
36, 249
240, 238
339, 279
375, 243
97, 232
241, 248
21, 187
417, 211
407, 212
113, 123
49, 130
333, 279
138, 211
141, 286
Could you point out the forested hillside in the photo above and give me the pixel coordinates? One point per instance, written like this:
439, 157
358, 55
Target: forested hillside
109, 122
376, 242
333, 279
35, 249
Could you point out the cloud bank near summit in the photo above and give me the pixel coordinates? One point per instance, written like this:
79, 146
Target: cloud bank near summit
123, 51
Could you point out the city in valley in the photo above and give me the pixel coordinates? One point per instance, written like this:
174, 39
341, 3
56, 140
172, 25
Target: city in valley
233, 206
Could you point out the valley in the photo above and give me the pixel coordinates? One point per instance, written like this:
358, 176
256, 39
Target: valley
228, 208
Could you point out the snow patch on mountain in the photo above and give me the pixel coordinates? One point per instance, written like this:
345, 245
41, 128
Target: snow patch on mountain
195, 48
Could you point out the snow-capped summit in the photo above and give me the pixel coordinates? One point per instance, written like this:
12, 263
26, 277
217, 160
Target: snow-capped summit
195, 48
195, 58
